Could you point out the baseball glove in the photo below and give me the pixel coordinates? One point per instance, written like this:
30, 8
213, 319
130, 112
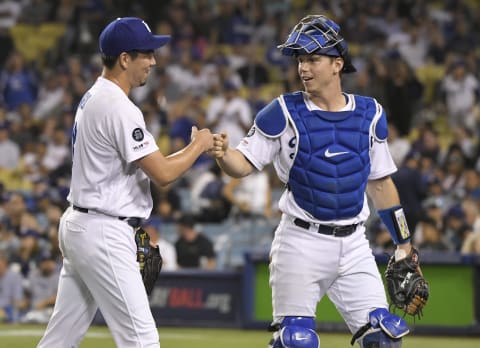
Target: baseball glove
149, 259
406, 286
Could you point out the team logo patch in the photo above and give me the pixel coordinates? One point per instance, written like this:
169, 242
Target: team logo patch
402, 224
251, 131
137, 134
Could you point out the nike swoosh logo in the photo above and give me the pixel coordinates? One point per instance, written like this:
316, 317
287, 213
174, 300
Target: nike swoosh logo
329, 154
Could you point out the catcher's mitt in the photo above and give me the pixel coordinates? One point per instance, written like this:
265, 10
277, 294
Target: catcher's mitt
406, 286
149, 259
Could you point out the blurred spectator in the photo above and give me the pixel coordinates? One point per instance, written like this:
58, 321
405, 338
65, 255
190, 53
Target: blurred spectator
167, 202
230, 113
399, 146
427, 143
255, 72
42, 290
411, 190
169, 255
50, 95
460, 90
35, 12
472, 214
414, 47
208, 201
466, 139
9, 242
471, 245
455, 228
31, 162
24, 260
403, 91
437, 48
9, 150
10, 10
18, 84
24, 129
472, 184
14, 208
250, 196
58, 150
432, 238
454, 164
194, 249
190, 74
11, 292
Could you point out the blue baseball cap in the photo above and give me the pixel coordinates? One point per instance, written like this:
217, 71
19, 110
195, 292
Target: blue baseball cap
128, 34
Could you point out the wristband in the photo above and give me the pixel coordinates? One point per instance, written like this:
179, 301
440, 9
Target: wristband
394, 219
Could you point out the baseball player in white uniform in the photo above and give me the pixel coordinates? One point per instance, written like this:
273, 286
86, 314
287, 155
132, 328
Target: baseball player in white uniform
114, 156
330, 149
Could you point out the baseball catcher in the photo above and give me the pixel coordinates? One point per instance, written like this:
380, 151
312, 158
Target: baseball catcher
406, 286
149, 259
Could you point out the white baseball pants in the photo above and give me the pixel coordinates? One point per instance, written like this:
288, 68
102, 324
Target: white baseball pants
306, 265
99, 271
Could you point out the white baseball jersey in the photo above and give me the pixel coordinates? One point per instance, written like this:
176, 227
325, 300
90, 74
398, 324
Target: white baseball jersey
109, 135
260, 151
100, 268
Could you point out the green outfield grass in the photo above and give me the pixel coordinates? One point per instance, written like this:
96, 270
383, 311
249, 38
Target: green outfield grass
99, 337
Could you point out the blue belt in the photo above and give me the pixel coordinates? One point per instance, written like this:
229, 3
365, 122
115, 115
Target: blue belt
135, 222
337, 231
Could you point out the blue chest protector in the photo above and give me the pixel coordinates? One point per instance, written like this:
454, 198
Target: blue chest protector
331, 167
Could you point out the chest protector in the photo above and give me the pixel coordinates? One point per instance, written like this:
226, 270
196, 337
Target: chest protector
330, 171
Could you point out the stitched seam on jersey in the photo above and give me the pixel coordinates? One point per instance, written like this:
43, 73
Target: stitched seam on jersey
115, 277
373, 125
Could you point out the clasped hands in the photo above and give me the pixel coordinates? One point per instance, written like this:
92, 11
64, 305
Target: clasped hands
215, 145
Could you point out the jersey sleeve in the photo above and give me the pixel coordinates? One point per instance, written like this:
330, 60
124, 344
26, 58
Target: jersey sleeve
259, 149
381, 160
130, 135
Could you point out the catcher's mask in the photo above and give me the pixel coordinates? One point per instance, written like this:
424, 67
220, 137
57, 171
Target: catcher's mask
316, 34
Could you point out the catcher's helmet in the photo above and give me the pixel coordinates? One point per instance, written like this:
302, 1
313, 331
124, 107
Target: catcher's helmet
316, 34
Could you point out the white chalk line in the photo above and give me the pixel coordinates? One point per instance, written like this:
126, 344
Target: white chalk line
39, 333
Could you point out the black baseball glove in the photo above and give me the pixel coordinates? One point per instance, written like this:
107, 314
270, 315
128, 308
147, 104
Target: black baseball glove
406, 286
149, 259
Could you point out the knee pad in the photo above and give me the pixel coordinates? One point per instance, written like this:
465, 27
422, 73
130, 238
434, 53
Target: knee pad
384, 329
296, 332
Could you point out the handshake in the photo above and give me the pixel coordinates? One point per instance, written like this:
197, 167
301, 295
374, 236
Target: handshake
215, 145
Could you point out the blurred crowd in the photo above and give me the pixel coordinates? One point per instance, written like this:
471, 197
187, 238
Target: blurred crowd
420, 59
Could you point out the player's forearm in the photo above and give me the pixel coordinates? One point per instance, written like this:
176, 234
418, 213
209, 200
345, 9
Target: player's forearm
383, 193
234, 164
164, 170
179, 162
386, 201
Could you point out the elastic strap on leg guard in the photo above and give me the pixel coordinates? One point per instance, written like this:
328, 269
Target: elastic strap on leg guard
384, 329
296, 332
